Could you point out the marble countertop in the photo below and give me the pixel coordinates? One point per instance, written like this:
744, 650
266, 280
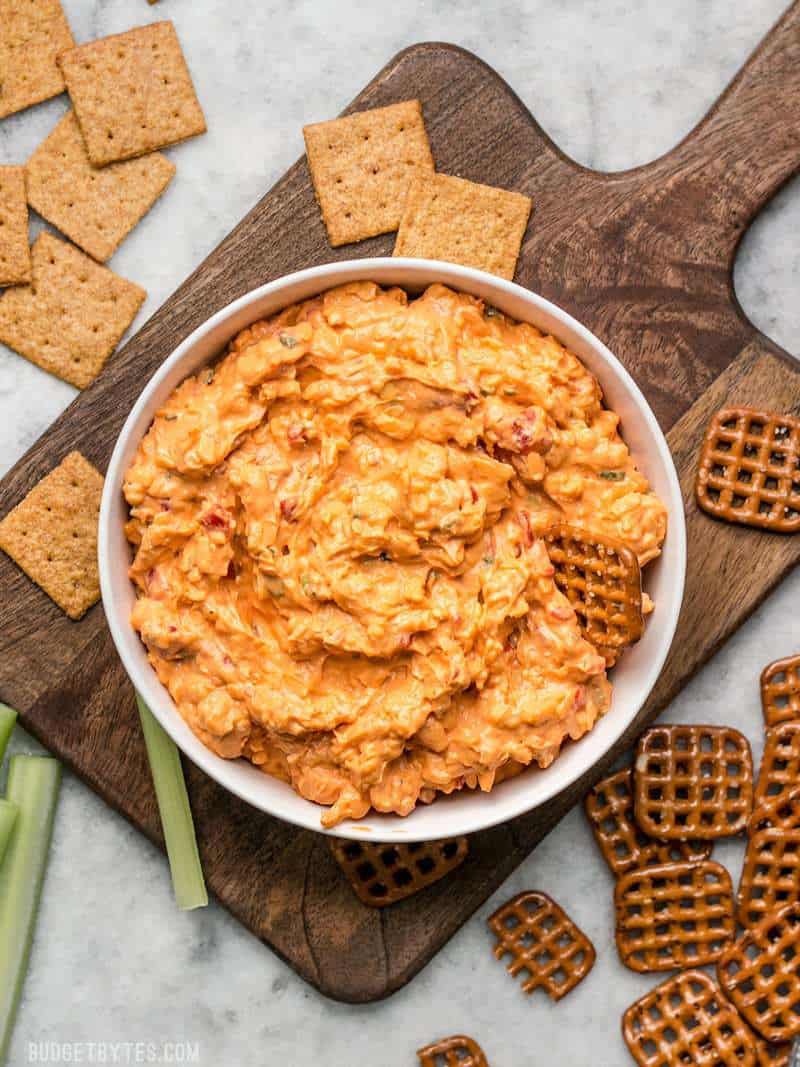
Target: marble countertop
114, 962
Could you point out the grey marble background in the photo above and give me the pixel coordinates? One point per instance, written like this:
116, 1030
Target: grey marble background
615, 84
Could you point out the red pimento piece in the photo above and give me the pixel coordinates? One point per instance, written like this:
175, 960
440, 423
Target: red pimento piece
288, 508
215, 520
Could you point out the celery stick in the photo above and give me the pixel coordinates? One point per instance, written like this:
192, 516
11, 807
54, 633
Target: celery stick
176, 815
33, 783
7, 719
8, 816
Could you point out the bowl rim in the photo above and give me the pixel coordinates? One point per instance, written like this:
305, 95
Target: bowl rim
329, 275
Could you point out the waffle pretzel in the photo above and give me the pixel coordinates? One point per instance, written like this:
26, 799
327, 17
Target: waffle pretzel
544, 942
781, 814
760, 973
780, 690
749, 469
601, 579
780, 769
382, 874
674, 915
770, 876
458, 1051
687, 1020
609, 809
769, 1055
693, 782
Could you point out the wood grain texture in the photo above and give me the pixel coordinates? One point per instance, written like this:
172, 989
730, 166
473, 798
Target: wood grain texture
644, 258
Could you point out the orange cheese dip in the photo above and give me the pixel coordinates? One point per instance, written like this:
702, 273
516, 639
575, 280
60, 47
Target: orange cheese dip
337, 558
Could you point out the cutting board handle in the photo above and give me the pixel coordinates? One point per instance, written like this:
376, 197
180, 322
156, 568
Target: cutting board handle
748, 145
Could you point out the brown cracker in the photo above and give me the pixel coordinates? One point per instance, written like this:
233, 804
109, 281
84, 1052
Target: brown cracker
69, 320
132, 93
32, 33
15, 255
52, 534
96, 207
463, 222
362, 167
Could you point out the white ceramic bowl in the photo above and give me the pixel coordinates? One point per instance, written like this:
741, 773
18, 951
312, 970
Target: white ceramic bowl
634, 677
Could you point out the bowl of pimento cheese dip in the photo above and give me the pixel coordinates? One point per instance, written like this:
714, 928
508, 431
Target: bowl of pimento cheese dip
321, 552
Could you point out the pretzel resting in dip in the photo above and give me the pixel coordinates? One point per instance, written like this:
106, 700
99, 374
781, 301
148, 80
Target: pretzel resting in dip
338, 552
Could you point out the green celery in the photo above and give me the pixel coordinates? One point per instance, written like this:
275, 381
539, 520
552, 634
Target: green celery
8, 816
7, 719
33, 783
176, 815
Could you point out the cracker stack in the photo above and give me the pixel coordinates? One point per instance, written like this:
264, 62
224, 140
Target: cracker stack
93, 178
373, 172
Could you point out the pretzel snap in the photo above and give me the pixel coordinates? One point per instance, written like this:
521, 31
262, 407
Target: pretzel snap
458, 1051
780, 690
770, 876
749, 469
674, 915
780, 772
543, 941
382, 874
693, 781
687, 1020
625, 846
760, 973
601, 579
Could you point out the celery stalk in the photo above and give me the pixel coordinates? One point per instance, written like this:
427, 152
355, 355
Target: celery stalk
33, 783
7, 719
8, 816
176, 815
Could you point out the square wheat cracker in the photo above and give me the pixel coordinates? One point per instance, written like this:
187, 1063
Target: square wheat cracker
132, 93
32, 33
96, 207
463, 222
363, 165
52, 534
15, 255
71, 317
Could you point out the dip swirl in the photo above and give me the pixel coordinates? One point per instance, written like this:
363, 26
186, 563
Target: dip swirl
337, 555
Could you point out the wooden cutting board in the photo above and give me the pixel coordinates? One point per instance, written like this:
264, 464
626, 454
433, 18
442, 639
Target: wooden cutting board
644, 258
